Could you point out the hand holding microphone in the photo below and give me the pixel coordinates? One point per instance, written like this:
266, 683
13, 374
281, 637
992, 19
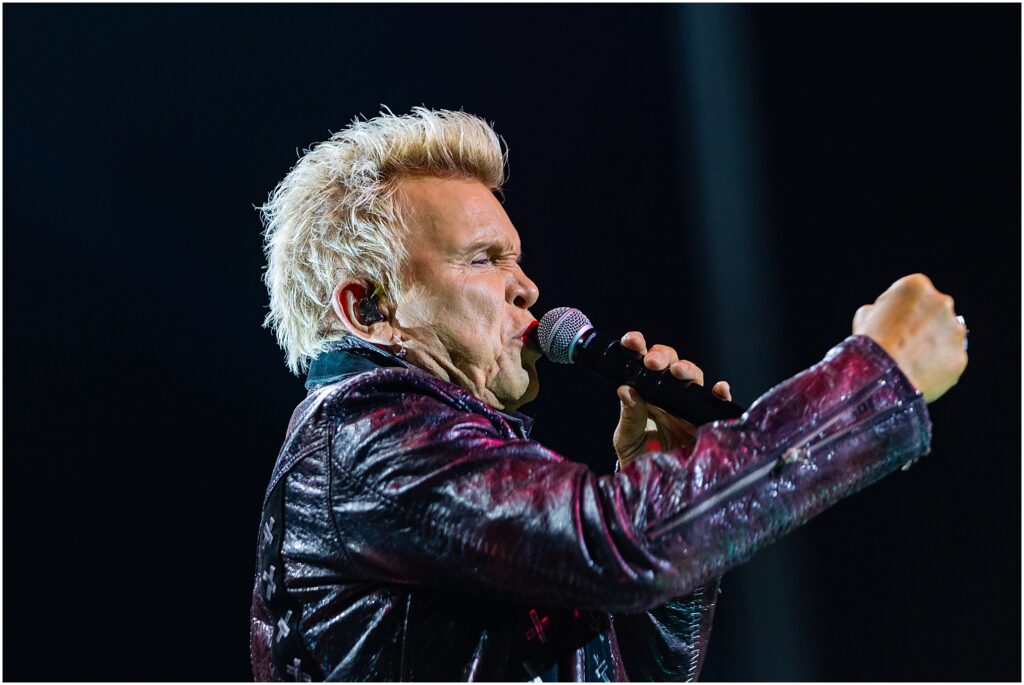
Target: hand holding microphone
643, 426
646, 378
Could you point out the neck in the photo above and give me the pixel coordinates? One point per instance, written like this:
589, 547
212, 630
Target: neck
447, 370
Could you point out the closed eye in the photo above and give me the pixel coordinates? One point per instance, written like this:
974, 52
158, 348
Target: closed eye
482, 259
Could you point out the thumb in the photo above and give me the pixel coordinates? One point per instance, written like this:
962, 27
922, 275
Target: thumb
632, 428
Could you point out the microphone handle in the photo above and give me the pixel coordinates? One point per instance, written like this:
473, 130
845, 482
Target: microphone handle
604, 355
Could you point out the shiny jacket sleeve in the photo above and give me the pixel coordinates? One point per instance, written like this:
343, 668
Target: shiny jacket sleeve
431, 487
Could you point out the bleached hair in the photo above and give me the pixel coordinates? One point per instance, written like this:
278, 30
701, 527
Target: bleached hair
337, 215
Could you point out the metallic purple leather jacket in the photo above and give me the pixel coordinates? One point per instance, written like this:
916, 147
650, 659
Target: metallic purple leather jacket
411, 532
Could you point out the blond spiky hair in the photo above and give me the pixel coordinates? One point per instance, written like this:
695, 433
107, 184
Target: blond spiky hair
336, 214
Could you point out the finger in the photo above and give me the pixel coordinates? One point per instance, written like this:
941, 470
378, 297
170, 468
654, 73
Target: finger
913, 283
633, 409
660, 357
722, 389
961, 327
686, 370
860, 314
634, 340
958, 332
632, 428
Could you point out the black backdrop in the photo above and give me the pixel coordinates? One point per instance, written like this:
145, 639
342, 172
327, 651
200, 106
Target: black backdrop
144, 403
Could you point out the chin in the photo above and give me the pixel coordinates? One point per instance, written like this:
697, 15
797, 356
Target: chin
532, 388
521, 390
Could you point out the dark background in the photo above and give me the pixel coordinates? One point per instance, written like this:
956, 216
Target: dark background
732, 180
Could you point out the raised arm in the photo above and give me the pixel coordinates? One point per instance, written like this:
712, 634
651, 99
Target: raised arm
425, 491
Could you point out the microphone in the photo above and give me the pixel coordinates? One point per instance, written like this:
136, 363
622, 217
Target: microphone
566, 336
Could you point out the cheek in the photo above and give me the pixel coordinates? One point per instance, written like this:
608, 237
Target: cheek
467, 323
482, 312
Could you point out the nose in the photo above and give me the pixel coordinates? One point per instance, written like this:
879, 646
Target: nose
524, 292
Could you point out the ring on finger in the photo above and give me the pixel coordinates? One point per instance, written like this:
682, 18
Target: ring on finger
967, 331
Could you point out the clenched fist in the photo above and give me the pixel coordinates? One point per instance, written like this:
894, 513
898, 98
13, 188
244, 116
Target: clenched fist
917, 325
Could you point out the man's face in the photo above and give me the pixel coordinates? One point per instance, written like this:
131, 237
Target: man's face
466, 310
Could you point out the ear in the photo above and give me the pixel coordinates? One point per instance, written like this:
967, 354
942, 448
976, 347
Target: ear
346, 299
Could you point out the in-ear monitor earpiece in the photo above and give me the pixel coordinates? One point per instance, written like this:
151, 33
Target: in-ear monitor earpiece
369, 307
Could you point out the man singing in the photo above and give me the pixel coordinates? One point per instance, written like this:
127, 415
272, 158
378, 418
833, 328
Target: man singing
412, 530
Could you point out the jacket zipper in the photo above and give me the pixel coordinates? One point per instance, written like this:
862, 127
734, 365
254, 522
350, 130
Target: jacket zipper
797, 452
695, 621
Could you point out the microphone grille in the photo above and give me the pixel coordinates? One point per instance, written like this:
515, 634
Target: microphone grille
557, 331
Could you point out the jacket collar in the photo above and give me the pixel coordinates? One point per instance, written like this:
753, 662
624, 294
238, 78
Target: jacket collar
351, 355
347, 356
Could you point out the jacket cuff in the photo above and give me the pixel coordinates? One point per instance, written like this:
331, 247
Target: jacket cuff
904, 393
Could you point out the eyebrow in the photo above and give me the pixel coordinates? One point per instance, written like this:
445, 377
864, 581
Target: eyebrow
478, 245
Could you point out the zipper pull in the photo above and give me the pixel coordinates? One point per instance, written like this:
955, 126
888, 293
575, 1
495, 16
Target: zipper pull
792, 456
796, 454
